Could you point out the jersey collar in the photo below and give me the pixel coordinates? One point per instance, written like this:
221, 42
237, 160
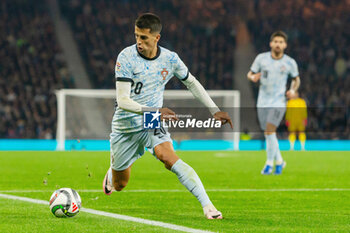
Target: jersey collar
275, 58
154, 58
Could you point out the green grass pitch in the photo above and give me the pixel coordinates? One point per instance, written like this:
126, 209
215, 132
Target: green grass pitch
291, 210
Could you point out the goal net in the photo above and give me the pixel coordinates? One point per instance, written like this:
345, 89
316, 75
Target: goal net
87, 114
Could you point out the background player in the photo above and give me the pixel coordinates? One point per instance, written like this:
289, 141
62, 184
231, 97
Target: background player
296, 120
273, 70
142, 71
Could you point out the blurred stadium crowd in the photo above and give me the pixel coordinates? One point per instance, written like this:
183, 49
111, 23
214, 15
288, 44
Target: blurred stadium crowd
201, 32
31, 69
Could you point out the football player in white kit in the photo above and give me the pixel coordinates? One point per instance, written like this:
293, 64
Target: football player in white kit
273, 70
142, 71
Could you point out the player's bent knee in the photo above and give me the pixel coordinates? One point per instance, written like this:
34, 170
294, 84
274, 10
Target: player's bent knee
270, 128
119, 188
121, 178
119, 185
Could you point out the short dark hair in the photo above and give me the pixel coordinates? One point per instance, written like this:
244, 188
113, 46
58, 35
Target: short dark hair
149, 20
279, 33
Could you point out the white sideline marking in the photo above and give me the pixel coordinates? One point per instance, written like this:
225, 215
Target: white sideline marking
112, 215
185, 191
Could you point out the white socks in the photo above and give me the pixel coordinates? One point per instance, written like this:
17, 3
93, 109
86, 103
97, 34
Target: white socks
272, 150
278, 158
189, 178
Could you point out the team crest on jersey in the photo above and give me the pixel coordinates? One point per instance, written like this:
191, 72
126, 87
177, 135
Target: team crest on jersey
118, 66
164, 73
283, 68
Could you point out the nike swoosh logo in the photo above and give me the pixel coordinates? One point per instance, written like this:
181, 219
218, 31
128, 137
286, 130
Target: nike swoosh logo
137, 73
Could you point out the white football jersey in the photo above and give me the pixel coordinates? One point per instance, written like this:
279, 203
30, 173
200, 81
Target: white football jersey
148, 78
274, 76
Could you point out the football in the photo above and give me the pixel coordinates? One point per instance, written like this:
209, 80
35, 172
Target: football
65, 202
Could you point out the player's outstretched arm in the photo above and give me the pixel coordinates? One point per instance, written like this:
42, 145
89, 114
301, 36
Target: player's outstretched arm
253, 77
200, 93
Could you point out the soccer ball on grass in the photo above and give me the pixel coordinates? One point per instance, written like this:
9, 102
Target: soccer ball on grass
65, 202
